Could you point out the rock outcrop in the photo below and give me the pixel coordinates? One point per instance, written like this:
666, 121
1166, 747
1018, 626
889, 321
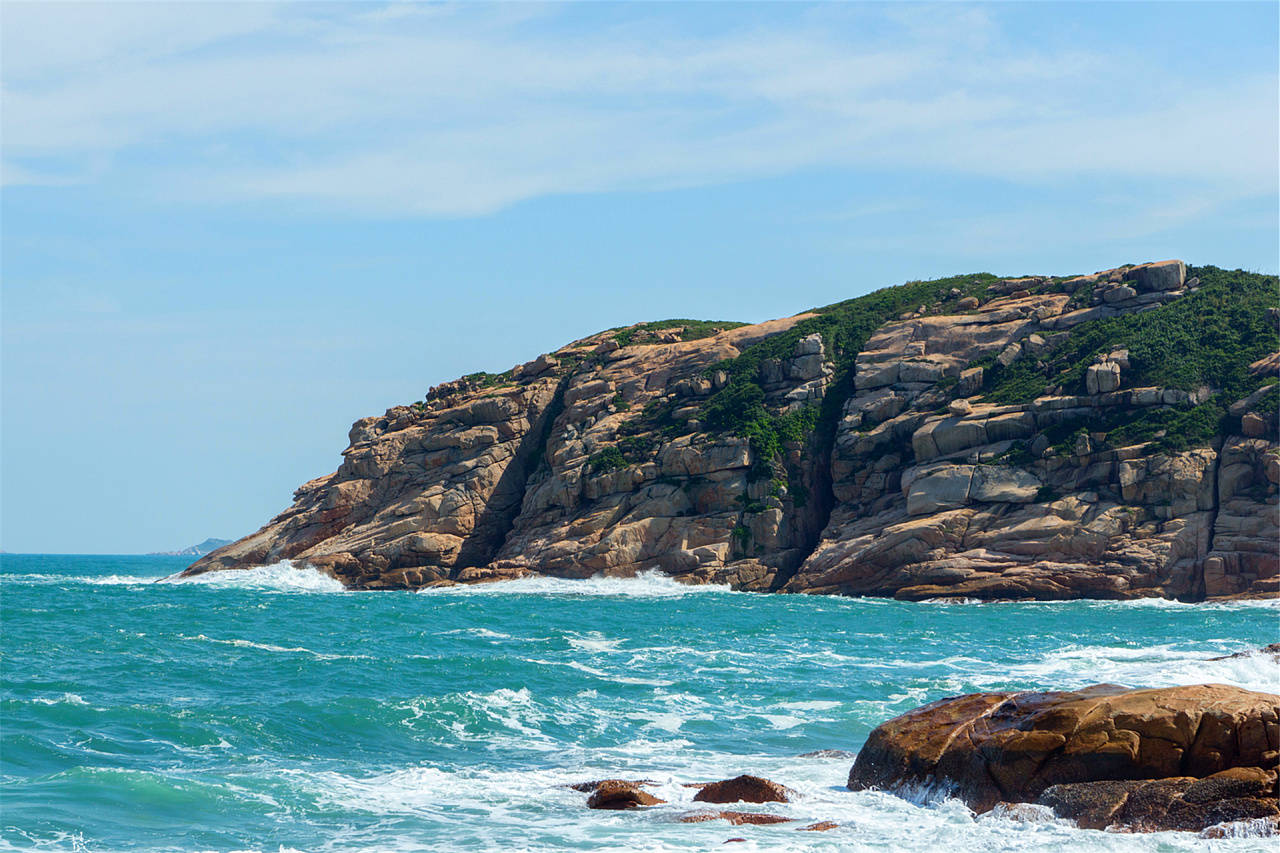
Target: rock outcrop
1182, 758
975, 437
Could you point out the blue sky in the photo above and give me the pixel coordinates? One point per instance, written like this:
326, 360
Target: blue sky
229, 230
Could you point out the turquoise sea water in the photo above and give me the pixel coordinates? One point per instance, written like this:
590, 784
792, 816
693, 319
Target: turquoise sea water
270, 710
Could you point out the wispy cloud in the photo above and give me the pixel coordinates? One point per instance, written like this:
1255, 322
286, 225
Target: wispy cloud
459, 111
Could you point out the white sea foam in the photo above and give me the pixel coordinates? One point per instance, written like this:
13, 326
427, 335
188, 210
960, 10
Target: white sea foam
278, 577
1150, 666
651, 584
95, 580
477, 632
600, 673
494, 805
593, 642
269, 647
64, 699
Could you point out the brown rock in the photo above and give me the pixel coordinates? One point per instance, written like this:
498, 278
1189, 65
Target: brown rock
820, 826
620, 794
736, 818
1253, 425
744, 789
1178, 758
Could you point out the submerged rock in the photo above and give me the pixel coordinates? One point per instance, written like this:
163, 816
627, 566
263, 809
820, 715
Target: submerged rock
1173, 758
737, 818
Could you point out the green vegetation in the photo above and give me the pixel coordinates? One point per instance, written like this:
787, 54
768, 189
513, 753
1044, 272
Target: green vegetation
1206, 338
739, 408
691, 330
629, 451
609, 459
483, 379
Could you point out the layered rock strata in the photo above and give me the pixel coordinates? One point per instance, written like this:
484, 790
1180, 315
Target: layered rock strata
893, 470
1180, 758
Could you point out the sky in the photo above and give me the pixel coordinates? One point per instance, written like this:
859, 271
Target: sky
229, 230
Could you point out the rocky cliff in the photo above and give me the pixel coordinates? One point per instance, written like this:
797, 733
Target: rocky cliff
1110, 435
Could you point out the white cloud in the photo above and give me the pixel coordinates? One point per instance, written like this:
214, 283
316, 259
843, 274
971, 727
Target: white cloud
457, 111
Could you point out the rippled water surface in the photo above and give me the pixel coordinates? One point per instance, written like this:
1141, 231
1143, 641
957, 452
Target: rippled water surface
270, 710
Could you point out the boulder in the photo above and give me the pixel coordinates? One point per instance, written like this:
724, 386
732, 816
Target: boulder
744, 789
1169, 758
620, 794
1102, 378
1158, 276
970, 381
1119, 293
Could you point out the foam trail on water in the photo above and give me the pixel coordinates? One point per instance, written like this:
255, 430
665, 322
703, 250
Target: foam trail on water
1150, 666
650, 584
278, 577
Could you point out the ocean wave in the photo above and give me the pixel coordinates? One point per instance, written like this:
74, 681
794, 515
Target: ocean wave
650, 584
494, 804
94, 580
269, 647
64, 699
1163, 665
600, 673
283, 576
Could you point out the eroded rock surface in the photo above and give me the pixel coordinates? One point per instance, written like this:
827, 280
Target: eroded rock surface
743, 789
898, 476
1182, 758
619, 794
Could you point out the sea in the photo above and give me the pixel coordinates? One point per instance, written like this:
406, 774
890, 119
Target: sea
272, 710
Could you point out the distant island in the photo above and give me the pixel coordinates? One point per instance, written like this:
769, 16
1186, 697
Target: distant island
208, 546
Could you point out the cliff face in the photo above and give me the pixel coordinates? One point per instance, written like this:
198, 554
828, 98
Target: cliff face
1106, 436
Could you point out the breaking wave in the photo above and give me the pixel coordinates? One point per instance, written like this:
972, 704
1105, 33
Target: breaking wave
651, 584
278, 577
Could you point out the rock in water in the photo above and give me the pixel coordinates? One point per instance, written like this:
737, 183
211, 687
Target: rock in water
744, 789
620, 794
1172, 758
737, 818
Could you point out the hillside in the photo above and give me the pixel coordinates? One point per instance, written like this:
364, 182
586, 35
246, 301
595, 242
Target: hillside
208, 546
1109, 436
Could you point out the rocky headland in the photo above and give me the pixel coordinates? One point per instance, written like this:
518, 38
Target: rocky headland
1111, 435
